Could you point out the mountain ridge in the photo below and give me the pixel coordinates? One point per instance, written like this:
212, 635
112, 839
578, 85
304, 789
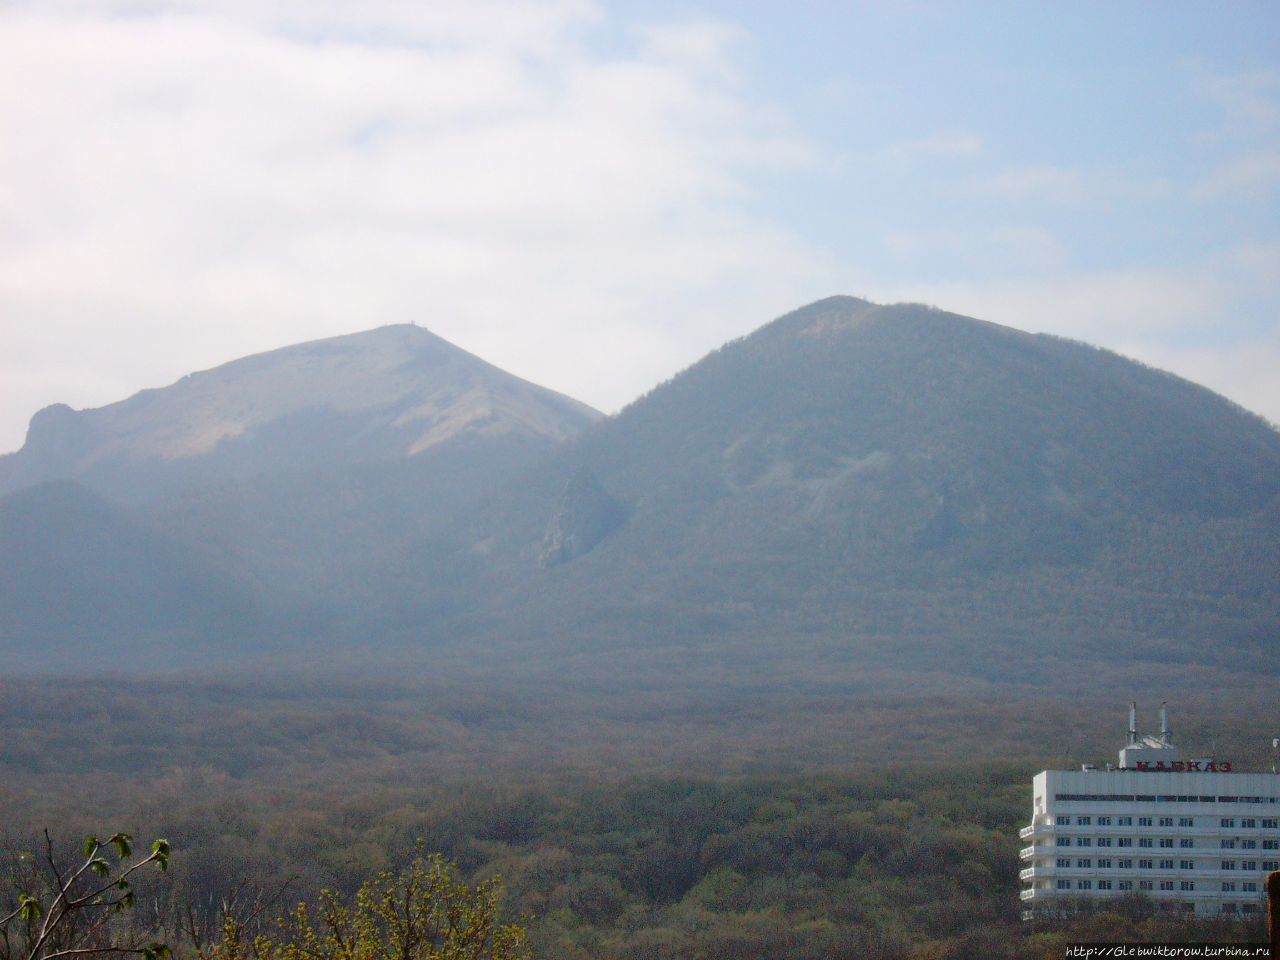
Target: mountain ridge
852, 486
392, 391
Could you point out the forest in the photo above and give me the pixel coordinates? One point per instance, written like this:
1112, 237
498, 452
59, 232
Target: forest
805, 828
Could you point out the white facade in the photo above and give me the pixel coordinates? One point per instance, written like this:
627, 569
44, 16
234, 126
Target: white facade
1186, 838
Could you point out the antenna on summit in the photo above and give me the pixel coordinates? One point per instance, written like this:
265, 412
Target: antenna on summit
1164, 724
1133, 722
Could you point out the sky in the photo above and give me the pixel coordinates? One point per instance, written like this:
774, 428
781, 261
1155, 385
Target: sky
593, 195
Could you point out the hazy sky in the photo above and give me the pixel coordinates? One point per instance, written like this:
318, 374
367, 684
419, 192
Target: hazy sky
592, 195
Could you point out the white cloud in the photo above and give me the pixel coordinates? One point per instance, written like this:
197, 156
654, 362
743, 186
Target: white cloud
182, 183
1010, 250
1249, 176
961, 146
1249, 102
1056, 184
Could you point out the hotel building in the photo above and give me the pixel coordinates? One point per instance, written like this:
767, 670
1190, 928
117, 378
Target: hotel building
1192, 835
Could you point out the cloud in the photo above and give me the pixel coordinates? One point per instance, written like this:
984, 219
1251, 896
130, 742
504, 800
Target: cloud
1249, 102
939, 147
1055, 184
1010, 250
1250, 176
182, 183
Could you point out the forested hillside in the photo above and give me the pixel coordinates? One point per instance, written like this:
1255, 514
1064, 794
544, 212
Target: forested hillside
863, 486
892, 863
852, 489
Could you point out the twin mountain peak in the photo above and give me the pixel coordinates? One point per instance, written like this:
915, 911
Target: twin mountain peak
895, 474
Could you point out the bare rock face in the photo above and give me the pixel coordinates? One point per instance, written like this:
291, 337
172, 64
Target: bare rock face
586, 515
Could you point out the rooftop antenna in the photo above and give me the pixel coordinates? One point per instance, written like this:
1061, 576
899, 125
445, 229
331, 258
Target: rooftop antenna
1133, 723
1164, 724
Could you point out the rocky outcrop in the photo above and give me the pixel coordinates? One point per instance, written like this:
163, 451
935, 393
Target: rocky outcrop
586, 515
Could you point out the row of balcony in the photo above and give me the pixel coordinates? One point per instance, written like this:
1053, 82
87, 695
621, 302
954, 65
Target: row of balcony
1148, 853
1051, 829
1214, 873
1202, 895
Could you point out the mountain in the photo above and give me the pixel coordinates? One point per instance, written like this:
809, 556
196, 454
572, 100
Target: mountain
280, 477
855, 486
393, 393
87, 585
855, 496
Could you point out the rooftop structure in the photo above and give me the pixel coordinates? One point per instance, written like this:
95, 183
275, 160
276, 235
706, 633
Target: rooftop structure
1191, 834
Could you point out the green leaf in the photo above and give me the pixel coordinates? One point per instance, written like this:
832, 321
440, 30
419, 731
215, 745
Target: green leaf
123, 843
99, 866
91, 845
29, 907
155, 951
160, 850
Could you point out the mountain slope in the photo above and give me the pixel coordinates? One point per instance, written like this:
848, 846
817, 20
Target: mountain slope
89, 586
392, 393
284, 476
895, 484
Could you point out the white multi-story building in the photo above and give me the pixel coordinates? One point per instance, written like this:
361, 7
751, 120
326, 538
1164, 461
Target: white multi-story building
1192, 835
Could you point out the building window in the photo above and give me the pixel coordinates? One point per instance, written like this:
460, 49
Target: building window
1104, 864
1104, 821
1084, 821
1249, 844
1228, 886
1084, 842
1104, 841
1228, 844
1186, 844
1166, 884
1248, 908
1063, 821
1126, 864
1271, 864
1186, 822
1249, 865
1271, 844
1145, 864
1187, 885
1064, 884
1228, 864
1125, 842
1186, 864
1144, 821
1124, 822
1064, 861
1166, 864
1144, 884
1104, 884
1166, 842
1144, 841
1227, 822
1063, 841
1166, 821
1086, 884
1228, 908
1085, 862
1249, 823
1249, 887
1270, 824
1126, 884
